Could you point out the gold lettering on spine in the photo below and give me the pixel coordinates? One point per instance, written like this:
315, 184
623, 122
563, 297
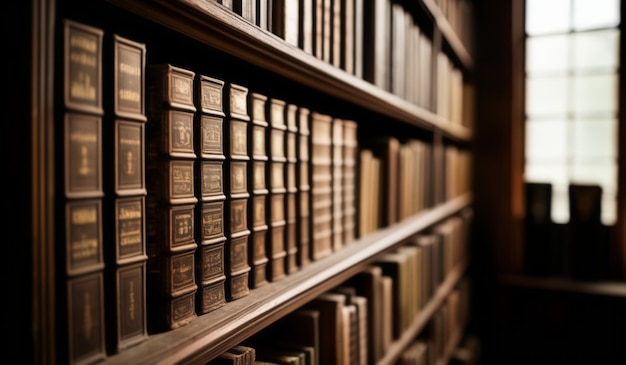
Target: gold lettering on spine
130, 222
84, 246
83, 52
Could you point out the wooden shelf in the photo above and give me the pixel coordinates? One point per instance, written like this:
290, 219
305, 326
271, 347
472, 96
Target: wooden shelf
452, 278
216, 26
606, 288
453, 343
213, 333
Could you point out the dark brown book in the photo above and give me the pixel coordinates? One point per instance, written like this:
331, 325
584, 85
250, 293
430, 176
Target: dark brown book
259, 191
306, 26
85, 296
172, 198
297, 330
125, 281
291, 214
238, 195
321, 185
303, 177
347, 47
332, 345
388, 148
210, 191
276, 134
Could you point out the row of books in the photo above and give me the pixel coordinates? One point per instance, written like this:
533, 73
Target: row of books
358, 321
380, 41
192, 192
398, 179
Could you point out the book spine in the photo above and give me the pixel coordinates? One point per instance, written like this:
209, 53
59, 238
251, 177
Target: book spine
291, 245
209, 180
83, 190
303, 202
337, 183
237, 195
276, 177
171, 197
321, 185
350, 150
126, 278
259, 198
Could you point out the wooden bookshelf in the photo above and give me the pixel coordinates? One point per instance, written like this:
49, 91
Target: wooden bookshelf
210, 25
214, 25
200, 341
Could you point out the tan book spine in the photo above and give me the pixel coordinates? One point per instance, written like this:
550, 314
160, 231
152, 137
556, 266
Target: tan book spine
238, 195
291, 214
276, 135
209, 180
337, 162
258, 256
321, 185
303, 202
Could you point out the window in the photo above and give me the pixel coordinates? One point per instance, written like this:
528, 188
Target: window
572, 64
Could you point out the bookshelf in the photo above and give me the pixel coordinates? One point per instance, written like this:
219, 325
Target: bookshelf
191, 34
